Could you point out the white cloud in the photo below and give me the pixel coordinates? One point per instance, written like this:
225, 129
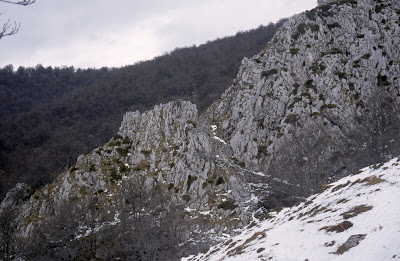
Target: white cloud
114, 48
101, 33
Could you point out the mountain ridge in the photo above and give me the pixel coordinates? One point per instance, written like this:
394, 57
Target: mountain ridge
319, 102
52, 115
312, 68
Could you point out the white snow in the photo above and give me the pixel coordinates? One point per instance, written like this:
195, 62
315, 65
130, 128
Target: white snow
259, 174
187, 209
219, 139
215, 137
295, 233
116, 219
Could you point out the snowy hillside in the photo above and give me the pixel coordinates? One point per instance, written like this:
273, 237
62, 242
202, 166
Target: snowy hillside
356, 218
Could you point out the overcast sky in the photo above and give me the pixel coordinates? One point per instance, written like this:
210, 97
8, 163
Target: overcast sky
115, 33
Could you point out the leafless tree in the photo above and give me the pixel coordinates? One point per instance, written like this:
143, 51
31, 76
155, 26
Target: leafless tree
151, 225
303, 160
55, 238
12, 27
377, 137
7, 236
310, 154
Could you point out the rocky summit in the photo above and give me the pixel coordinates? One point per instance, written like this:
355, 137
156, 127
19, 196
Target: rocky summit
319, 102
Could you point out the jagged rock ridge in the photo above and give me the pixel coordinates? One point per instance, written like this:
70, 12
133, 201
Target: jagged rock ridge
318, 102
328, 78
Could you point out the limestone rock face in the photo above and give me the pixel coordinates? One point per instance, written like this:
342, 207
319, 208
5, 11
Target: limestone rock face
168, 146
294, 117
16, 197
176, 144
321, 72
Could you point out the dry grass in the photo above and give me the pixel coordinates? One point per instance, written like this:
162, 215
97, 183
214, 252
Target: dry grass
369, 181
314, 211
228, 242
356, 172
240, 249
323, 188
343, 200
373, 180
329, 244
339, 227
356, 211
341, 186
260, 250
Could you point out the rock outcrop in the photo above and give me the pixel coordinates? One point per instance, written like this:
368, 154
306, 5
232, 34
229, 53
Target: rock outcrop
329, 77
16, 198
169, 146
321, 100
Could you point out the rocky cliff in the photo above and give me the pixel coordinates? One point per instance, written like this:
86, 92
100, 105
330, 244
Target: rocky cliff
324, 89
320, 101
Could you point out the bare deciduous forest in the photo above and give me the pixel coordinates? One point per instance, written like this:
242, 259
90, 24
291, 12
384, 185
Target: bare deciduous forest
50, 116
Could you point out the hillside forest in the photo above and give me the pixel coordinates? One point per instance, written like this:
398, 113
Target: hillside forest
51, 115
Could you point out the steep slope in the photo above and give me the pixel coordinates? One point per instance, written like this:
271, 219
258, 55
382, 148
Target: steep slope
321, 100
355, 218
49, 116
166, 154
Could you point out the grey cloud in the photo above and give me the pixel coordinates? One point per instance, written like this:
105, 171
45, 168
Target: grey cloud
51, 24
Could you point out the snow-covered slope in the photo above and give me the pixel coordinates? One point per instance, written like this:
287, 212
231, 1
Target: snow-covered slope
355, 218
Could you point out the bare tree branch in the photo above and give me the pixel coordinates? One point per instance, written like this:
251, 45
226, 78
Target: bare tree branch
23, 2
9, 28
